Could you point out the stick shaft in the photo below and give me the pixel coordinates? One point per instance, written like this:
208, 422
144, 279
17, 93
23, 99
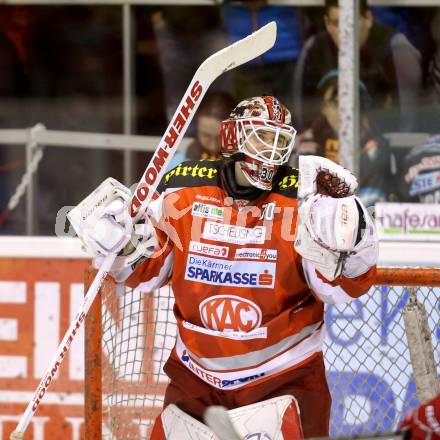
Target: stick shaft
65, 343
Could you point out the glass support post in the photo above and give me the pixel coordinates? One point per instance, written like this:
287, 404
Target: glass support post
348, 60
128, 86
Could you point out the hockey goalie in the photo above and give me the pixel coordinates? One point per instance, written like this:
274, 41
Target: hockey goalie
252, 249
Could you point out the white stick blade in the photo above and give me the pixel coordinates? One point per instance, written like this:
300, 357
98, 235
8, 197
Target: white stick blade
240, 52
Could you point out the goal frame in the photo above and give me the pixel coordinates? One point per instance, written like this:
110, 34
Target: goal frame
385, 276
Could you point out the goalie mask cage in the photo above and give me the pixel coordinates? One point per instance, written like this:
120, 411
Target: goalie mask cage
130, 334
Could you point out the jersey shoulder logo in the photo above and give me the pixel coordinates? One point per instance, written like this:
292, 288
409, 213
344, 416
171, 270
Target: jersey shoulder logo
287, 182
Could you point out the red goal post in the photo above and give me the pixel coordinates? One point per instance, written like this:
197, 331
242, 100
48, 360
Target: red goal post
129, 335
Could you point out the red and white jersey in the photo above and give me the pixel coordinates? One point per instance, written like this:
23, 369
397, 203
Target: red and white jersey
247, 307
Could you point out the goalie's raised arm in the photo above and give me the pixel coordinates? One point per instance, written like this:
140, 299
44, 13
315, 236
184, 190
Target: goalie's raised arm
335, 235
104, 226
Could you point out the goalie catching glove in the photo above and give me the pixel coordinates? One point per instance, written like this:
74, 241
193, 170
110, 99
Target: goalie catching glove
335, 232
104, 226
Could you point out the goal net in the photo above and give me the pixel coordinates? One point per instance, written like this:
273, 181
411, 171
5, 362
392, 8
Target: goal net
130, 334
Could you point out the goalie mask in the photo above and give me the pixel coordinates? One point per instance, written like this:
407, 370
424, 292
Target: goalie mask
260, 128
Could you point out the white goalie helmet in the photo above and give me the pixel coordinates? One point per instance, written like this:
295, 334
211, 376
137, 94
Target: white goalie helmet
261, 129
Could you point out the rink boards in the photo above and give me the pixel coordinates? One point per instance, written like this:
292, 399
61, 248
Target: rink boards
41, 286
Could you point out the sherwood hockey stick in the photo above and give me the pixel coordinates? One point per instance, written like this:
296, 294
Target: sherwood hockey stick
226, 59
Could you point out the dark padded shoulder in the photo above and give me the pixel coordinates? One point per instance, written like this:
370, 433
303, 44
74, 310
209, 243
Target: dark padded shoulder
192, 173
287, 182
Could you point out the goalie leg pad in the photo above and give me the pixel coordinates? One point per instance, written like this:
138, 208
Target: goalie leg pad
274, 419
175, 424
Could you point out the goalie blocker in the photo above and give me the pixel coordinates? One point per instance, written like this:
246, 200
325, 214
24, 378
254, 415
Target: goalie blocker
104, 226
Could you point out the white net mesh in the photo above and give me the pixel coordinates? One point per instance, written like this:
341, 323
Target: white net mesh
367, 358
138, 333
368, 363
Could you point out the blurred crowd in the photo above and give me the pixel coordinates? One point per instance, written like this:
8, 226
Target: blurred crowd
63, 66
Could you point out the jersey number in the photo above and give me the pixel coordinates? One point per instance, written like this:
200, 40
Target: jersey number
268, 211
